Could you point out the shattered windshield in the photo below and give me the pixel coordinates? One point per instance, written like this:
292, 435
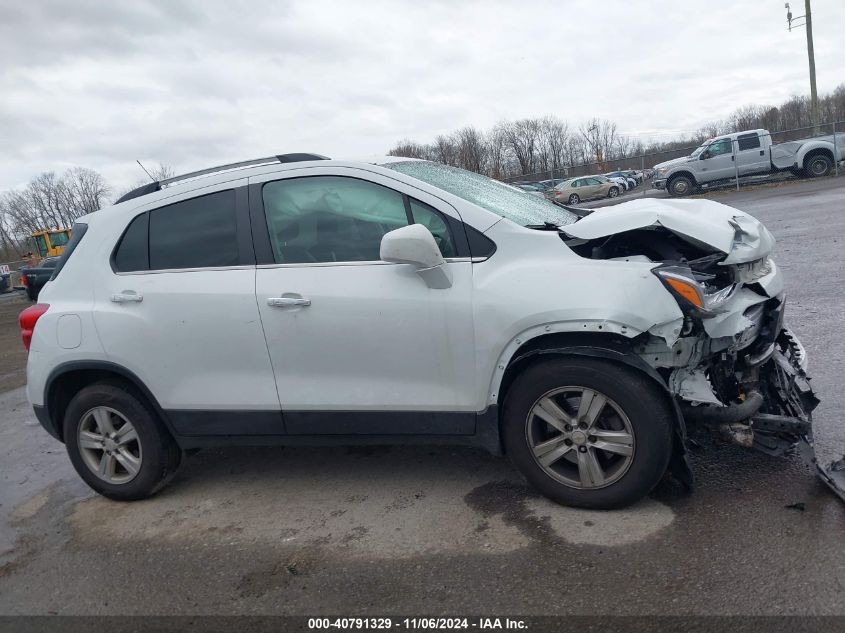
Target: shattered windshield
508, 202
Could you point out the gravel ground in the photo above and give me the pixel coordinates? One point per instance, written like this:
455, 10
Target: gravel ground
441, 530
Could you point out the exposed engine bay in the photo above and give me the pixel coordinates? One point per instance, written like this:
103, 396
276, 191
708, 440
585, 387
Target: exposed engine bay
730, 361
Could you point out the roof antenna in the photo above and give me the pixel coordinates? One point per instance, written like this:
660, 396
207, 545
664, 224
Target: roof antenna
145, 170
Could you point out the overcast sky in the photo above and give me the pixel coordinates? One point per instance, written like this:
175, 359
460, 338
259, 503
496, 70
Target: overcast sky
192, 84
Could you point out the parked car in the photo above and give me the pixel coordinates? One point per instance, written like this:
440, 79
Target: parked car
532, 189
407, 301
551, 183
33, 278
632, 182
744, 154
623, 183
587, 188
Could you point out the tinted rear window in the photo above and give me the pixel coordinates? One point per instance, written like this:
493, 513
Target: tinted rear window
196, 233
132, 253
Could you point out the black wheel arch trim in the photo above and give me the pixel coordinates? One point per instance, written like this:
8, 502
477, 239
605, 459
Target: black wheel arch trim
94, 365
684, 174
679, 464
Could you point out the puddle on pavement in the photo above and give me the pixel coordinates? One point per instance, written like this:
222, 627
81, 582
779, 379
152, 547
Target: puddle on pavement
390, 519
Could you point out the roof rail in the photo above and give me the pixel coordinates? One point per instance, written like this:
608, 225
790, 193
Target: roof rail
278, 158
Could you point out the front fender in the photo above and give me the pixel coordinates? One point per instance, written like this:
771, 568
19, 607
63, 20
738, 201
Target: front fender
538, 286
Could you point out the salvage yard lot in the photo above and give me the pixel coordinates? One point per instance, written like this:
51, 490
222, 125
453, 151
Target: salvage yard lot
421, 530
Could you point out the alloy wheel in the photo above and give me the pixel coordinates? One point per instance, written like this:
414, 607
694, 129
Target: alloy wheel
109, 445
580, 437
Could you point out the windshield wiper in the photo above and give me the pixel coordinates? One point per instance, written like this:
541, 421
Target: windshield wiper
545, 226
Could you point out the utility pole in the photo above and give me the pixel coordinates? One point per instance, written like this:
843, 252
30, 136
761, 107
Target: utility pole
808, 24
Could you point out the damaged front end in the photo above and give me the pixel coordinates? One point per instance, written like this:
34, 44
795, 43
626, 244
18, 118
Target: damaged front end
730, 360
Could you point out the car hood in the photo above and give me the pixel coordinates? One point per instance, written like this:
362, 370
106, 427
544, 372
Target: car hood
740, 236
674, 161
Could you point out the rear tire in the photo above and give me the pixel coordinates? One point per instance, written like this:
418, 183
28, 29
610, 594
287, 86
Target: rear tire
680, 186
117, 444
574, 198
33, 296
633, 409
818, 166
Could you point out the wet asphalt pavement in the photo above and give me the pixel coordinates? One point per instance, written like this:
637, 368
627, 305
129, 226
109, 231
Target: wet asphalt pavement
451, 531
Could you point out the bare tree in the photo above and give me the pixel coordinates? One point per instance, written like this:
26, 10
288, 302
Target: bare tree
551, 144
600, 136
444, 150
522, 137
48, 202
471, 149
410, 149
87, 188
497, 154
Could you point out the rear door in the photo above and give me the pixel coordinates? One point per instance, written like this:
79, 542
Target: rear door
177, 308
750, 155
358, 345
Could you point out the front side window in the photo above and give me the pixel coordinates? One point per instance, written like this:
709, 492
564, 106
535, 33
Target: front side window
196, 233
330, 218
423, 214
722, 146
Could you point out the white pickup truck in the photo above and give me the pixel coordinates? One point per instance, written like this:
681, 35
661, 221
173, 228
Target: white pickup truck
746, 153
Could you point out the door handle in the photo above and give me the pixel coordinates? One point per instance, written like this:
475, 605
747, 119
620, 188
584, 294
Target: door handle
126, 297
287, 302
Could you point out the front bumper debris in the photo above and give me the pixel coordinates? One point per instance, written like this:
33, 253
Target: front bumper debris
833, 475
774, 415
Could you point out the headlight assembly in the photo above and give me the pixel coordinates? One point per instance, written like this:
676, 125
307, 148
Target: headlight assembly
691, 295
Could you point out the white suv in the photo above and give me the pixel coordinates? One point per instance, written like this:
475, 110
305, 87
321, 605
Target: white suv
301, 300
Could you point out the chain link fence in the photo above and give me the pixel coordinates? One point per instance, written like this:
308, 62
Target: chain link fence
749, 163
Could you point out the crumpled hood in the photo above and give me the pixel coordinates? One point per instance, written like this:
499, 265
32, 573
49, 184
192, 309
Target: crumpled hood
704, 222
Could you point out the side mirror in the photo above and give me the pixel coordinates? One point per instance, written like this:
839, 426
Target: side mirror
704, 155
415, 245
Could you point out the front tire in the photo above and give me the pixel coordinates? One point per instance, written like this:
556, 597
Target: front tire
574, 198
588, 433
613, 192
117, 444
680, 186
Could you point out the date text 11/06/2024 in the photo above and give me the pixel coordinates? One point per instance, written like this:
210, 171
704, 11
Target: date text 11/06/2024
416, 623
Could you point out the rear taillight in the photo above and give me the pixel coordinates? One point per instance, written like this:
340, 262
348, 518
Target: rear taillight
23, 280
28, 318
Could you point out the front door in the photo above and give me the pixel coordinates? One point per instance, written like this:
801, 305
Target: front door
360, 346
719, 161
